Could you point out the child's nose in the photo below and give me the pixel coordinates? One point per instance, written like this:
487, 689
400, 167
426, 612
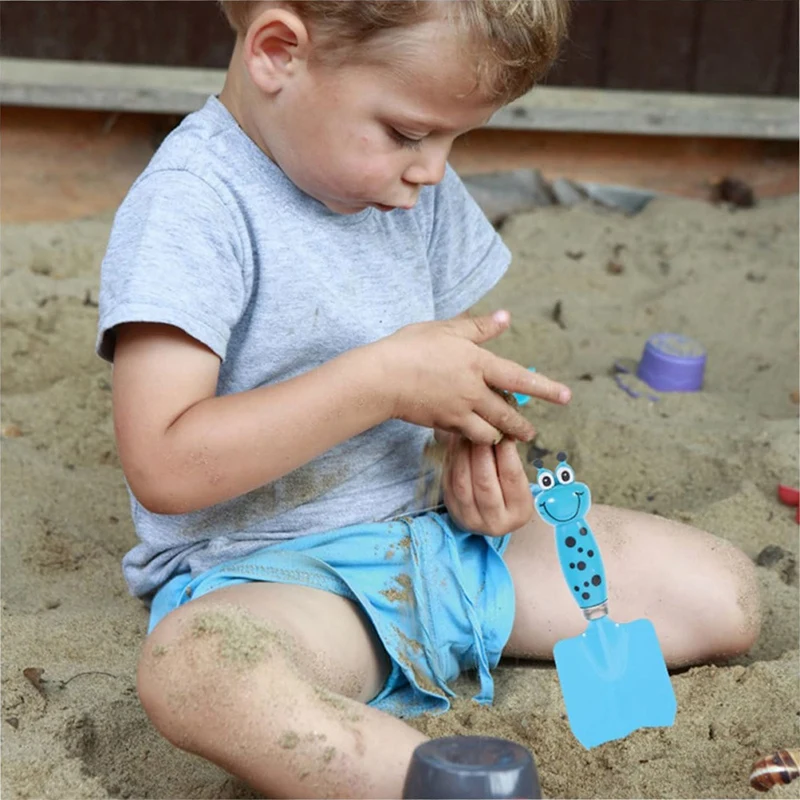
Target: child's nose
428, 167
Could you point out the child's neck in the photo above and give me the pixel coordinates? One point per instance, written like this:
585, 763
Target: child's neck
238, 94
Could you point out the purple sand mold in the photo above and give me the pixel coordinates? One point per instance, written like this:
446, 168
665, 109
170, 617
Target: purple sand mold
624, 386
621, 382
674, 344
625, 365
672, 363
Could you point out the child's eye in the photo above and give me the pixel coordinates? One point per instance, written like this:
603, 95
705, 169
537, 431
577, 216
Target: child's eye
403, 140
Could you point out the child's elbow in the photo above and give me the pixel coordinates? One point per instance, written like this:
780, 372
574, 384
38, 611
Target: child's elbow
157, 493
160, 503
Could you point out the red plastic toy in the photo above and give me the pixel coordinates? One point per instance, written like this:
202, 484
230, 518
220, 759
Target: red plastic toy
790, 497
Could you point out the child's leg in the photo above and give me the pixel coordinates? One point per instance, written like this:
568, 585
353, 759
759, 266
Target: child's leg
699, 591
269, 682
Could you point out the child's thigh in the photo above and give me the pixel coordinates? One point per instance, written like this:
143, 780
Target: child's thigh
319, 636
699, 591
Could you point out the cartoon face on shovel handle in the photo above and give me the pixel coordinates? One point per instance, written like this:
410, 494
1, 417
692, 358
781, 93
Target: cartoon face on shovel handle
613, 676
563, 502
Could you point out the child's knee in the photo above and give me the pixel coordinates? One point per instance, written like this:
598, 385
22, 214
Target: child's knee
170, 690
717, 608
157, 669
740, 612
197, 667
749, 602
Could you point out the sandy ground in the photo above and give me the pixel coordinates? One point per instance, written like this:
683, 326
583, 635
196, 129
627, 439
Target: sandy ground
728, 278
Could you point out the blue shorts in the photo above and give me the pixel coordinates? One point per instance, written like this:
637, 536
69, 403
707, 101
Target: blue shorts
440, 598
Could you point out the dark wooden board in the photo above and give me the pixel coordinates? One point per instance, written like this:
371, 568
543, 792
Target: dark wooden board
787, 80
582, 58
740, 44
167, 32
650, 45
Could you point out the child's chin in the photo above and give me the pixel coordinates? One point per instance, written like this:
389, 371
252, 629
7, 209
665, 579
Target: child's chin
342, 208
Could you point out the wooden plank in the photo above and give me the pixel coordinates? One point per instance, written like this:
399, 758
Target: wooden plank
751, 29
112, 87
168, 32
65, 164
655, 113
682, 165
646, 45
63, 84
581, 62
650, 45
787, 80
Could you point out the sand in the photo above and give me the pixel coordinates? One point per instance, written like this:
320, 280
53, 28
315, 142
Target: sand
728, 278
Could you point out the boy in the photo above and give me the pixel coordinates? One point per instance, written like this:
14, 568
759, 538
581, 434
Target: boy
283, 298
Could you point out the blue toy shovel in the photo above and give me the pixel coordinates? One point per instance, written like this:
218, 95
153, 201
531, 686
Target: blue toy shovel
613, 676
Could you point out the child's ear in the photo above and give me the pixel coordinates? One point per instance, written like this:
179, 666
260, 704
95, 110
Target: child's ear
276, 44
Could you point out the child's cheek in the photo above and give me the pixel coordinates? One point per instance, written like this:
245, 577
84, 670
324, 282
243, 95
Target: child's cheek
378, 171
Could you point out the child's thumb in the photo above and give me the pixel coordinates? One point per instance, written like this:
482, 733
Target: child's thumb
481, 329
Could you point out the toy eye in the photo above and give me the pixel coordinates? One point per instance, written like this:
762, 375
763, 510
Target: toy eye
545, 480
565, 474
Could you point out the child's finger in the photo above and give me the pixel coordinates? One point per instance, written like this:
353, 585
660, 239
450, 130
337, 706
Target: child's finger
482, 329
505, 418
480, 430
509, 464
513, 377
486, 488
512, 478
458, 475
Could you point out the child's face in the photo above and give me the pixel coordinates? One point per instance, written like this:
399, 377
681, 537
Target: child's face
360, 136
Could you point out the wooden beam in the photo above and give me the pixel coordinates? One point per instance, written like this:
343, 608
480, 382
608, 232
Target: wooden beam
174, 90
111, 87
653, 113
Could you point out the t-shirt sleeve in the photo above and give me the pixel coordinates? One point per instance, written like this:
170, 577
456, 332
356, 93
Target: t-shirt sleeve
175, 257
466, 254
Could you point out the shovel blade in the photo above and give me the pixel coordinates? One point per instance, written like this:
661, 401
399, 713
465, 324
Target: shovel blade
614, 680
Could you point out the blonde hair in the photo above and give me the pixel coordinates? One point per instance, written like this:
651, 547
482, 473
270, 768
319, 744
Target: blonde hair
515, 41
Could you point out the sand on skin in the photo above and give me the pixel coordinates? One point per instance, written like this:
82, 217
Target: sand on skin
728, 278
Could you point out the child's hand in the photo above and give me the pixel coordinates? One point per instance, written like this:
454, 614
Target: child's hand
485, 488
440, 377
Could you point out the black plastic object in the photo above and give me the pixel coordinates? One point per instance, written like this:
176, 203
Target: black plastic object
471, 767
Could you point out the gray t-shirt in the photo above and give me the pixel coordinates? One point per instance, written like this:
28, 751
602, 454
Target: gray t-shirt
214, 239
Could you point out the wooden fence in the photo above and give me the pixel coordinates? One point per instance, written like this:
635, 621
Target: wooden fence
746, 47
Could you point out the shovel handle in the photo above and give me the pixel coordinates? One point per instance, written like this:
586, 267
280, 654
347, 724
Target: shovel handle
581, 563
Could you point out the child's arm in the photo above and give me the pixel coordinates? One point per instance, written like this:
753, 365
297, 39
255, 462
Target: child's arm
183, 448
